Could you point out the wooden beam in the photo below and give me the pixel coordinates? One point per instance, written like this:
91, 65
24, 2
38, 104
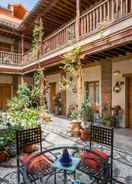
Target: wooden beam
129, 49
113, 52
52, 4
77, 29
121, 51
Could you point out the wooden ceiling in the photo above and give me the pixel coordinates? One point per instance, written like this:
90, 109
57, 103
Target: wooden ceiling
8, 31
54, 13
108, 54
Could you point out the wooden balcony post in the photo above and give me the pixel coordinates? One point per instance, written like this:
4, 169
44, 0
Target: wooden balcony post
22, 79
22, 47
77, 28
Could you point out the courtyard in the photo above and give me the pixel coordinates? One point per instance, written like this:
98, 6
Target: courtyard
58, 130
66, 92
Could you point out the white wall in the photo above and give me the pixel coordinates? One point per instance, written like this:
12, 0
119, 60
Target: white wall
92, 73
125, 67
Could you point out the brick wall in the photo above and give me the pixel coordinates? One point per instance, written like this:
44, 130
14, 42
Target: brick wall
106, 86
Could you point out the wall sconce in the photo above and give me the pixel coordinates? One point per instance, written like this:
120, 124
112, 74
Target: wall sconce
116, 73
71, 79
117, 86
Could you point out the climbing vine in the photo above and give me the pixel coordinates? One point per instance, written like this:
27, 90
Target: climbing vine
37, 36
72, 65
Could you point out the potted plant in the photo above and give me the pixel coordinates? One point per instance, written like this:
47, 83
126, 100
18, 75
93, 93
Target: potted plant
44, 115
29, 118
87, 117
107, 120
75, 124
3, 153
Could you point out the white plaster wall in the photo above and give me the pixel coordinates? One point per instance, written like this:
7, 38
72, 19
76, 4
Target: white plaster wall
92, 73
125, 67
51, 79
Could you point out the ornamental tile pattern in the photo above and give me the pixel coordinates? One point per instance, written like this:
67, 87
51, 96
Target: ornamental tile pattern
56, 133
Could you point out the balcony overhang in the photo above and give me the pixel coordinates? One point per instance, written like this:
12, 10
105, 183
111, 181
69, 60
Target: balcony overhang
54, 14
116, 40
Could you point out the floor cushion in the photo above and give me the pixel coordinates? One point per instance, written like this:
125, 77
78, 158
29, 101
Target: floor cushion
36, 163
93, 159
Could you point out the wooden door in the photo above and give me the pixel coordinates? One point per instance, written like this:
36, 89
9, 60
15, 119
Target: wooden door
129, 102
63, 96
52, 97
5, 95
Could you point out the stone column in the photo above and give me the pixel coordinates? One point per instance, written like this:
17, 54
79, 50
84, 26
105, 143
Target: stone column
106, 87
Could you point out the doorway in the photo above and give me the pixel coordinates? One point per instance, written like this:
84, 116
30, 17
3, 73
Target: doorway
52, 97
5, 95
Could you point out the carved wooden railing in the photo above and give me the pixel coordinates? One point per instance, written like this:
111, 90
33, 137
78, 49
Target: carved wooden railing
59, 38
100, 16
10, 58
103, 14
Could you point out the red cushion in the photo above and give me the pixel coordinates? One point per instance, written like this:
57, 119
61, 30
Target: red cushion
35, 163
91, 159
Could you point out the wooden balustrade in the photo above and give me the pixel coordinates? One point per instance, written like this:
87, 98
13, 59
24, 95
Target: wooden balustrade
10, 58
91, 21
102, 14
59, 38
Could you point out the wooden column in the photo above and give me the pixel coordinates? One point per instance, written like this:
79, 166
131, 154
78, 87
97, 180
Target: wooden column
15, 84
77, 29
22, 46
106, 87
22, 80
63, 95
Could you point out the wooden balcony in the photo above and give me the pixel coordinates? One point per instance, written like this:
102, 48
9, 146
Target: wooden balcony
10, 58
92, 21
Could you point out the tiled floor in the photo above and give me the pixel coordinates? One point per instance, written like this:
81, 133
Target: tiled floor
56, 133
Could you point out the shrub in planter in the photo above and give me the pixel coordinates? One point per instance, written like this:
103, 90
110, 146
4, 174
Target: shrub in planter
85, 134
107, 120
44, 115
75, 124
3, 153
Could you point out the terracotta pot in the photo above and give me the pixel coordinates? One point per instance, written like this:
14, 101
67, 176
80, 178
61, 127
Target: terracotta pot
85, 134
29, 148
3, 156
45, 117
75, 127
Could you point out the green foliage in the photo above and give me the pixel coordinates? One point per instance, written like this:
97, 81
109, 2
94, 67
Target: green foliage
20, 109
71, 65
2, 143
37, 95
86, 110
107, 120
74, 115
65, 84
37, 35
71, 61
22, 100
29, 118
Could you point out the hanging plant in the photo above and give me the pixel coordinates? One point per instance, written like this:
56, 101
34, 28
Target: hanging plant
72, 65
71, 61
65, 84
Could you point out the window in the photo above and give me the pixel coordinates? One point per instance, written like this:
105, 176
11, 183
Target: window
92, 91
